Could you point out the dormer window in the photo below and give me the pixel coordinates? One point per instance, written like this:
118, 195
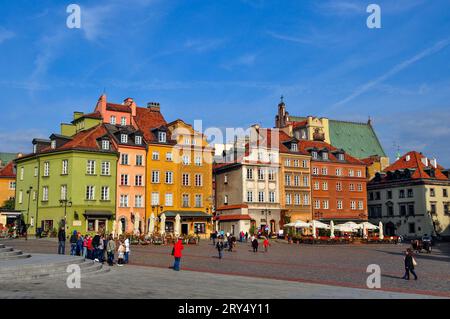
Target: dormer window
123, 121
53, 144
138, 140
105, 145
325, 155
162, 137
113, 120
294, 147
314, 154
341, 156
123, 138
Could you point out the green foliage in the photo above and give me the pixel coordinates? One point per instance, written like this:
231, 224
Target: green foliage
9, 204
253, 230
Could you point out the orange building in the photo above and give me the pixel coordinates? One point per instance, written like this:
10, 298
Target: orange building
7, 183
338, 181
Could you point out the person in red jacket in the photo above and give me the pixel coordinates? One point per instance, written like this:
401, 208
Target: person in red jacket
177, 248
266, 244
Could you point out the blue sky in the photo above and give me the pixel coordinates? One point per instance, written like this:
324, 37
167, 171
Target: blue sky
228, 62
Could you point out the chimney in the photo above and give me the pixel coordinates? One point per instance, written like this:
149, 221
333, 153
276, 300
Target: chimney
101, 105
130, 103
154, 106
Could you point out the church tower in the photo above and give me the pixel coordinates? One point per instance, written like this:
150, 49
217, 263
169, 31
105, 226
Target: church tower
282, 117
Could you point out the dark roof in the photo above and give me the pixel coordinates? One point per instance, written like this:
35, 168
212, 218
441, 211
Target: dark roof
306, 145
148, 119
8, 171
117, 130
118, 107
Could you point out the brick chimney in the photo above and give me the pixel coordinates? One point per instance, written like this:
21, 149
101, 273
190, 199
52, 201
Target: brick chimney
130, 102
154, 106
101, 105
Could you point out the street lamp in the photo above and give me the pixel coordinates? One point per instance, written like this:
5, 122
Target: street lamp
64, 203
267, 212
28, 212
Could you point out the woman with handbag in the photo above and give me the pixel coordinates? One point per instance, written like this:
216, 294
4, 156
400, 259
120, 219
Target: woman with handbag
176, 252
410, 263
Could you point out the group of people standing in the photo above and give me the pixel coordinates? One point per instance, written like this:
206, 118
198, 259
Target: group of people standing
223, 241
99, 247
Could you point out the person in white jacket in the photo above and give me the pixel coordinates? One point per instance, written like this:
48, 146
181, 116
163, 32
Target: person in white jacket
127, 250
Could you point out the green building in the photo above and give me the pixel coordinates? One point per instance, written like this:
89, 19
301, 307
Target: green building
69, 179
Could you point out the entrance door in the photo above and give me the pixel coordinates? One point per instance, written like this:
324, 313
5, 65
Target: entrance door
184, 229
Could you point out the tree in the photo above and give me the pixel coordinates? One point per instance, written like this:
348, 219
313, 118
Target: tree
9, 204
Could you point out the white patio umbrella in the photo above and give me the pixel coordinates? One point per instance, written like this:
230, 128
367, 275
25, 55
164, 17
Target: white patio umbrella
177, 225
314, 229
380, 227
162, 224
344, 228
368, 226
151, 225
136, 223
320, 225
364, 231
352, 225
298, 224
119, 231
332, 229
114, 229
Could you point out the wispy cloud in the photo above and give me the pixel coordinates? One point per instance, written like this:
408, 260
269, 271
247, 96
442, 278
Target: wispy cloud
333, 7
5, 35
396, 69
203, 45
20, 140
313, 37
247, 59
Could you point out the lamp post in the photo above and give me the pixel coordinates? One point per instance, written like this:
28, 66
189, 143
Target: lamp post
267, 212
28, 212
64, 203
157, 209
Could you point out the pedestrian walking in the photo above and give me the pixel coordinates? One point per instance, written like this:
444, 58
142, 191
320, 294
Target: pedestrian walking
73, 243
230, 243
214, 237
219, 247
61, 241
255, 244
80, 242
90, 247
95, 246
110, 249
246, 237
127, 250
101, 249
121, 253
85, 245
266, 244
177, 253
410, 263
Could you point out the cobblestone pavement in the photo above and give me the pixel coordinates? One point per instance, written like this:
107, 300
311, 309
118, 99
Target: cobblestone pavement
339, 266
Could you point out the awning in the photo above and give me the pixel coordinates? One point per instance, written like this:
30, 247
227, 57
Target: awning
232, 217
187, 214
97, 213
11, 213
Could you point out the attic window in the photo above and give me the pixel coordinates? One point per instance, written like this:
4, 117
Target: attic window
314, 154
325, 155
53, 144
123, 121
162, 137
294, 147
105, 145
408, 158
138, 140
123, 138
341, 156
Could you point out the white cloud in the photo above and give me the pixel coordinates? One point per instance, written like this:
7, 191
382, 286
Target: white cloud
203, 45
5, 35
247, 59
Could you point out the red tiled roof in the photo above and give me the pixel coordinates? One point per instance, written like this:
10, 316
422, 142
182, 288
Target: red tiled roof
8, 171
283, 148
230, 207
299, 124
306, 144
415, 162
232, 217
118, 107
94, 115
148, 119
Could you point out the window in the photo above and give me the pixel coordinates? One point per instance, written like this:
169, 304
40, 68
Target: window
249, 173
45, 193
325, 155
138, 201
53, 144
315, 171
305, 199
155, 156
316, 186
123, 200
169, 177
200, 228
155, 177
287, 179
401, 194
288, 199
187, 141
112, 120
360, 205
339, 186
432, 193
339, 205
287, 162
412, 228
324, 171
305, 181
249, 196
297, 199
169, 157
106, 168
325, 204
138, 140
90, 167
162, 137
377, 196
46, 170
169, 199
317, 204
296, 180
338, 172
63, 192
389, 194
65, 167
155, 198
359, 173
433, 208
105, 193
139, 160
261, 174
444, 192
124, 159
261, 197
341, 157
198, 161
105, 145
12, 185
390, 210
124, 179
185, 202
305, 164
410, 193
138, 180
352, 205
325, 186
351, 173
296, 163
446, 208
411, 210
123, 121
271, 174
123, 138
360, 187
185, 179
314, 156
352, 187
294, 147
198, 200
272, 197
35, 172
186, 160
198, 180
90, 192
20, 197
402, 210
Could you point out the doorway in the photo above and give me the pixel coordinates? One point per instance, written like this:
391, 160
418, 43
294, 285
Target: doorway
184, 229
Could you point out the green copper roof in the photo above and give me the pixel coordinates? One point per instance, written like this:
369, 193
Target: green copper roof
7, 157
357, 139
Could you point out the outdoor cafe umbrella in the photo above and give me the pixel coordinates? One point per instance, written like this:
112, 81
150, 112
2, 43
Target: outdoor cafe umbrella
162, 224
119, 231
314, 229
177, 225
344, 228
352, 225
320, 225
332, 229
298, 224
364, 231
114, 229
151, 226
136, 224
380, 227
367, 225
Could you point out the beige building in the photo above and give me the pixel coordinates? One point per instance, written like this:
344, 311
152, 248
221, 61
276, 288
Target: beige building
411, 197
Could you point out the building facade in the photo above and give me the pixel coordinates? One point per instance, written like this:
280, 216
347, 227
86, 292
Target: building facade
411, 197
7, 183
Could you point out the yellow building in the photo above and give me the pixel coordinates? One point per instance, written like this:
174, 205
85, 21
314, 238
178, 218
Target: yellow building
7, 183
179, 175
